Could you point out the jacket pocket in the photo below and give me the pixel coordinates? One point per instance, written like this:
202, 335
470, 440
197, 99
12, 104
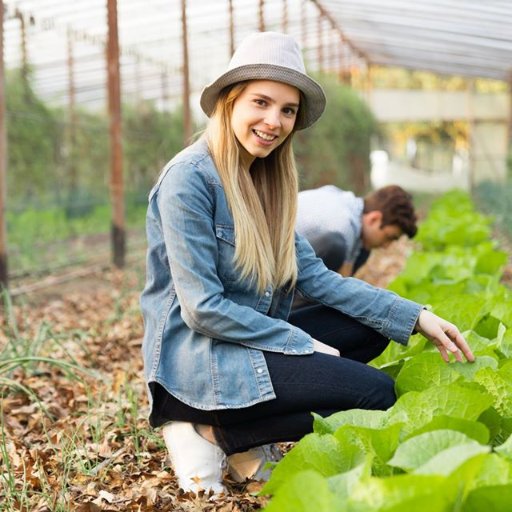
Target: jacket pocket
226, 249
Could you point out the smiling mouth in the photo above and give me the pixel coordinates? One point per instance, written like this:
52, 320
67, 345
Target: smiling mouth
264, 136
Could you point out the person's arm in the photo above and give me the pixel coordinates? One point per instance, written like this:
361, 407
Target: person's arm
384, 311
186, 205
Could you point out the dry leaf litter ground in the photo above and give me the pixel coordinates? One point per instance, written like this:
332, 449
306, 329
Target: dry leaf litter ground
74, 434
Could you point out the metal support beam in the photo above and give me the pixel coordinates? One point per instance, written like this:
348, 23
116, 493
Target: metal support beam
303, 23
3, 160
335, 25
116, 150
509, 128
320, 36
187, 119
231, 28
261, 16
72, 120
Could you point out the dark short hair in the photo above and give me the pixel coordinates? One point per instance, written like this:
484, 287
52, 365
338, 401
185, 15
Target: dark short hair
396, 207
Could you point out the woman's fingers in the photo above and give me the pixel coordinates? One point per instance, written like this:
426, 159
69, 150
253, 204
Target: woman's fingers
460, 343
445, 336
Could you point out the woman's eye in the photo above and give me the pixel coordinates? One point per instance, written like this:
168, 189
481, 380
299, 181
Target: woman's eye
289, 111
262, 103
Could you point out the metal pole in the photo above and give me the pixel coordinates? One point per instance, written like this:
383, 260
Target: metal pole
138, 88
509, 130
23, 41
261, 16
303, 24
320, 43
165, 90
472, 136
116, 150
231, 28
71, 132
3, 160
187, 120
332, 50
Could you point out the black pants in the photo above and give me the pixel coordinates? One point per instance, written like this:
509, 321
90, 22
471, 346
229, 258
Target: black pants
320, 383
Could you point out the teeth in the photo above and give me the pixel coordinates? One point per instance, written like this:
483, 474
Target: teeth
264, 136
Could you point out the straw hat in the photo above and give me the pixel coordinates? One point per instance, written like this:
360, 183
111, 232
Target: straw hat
269, 56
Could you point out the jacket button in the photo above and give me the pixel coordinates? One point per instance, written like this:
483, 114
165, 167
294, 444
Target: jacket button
267, 294
259, 370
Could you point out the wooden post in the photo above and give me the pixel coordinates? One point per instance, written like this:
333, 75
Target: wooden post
3, 161
261, 16
231, 28
187, 120
116, 150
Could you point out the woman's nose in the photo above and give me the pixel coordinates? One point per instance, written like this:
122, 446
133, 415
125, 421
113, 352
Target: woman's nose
273, 119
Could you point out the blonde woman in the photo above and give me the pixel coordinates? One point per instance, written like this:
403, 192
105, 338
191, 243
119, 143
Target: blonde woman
227, 368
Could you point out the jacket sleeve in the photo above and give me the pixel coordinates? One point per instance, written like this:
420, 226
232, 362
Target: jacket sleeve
186, 205
383, 310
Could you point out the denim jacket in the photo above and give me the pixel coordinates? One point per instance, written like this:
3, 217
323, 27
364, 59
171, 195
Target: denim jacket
205, 328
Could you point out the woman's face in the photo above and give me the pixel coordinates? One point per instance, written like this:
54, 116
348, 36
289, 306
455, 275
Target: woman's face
263, 116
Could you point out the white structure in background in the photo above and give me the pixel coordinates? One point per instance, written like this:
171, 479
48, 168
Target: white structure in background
486, 114
385, 172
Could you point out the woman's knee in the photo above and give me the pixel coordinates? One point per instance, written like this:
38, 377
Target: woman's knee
382, 395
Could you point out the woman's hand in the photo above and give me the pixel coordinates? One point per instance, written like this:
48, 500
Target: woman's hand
318, 346
444, 335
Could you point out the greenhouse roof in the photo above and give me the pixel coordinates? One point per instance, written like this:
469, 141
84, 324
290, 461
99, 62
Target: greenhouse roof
456, 37
452, 37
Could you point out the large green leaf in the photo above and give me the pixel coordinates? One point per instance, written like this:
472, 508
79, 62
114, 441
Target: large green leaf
342, 484
415, 409
423, 371
472, 429
401, 493
355, 417
497, 498
446, 461
494, 470
305, 491
418, 450
379, 442
323, 453
499, 387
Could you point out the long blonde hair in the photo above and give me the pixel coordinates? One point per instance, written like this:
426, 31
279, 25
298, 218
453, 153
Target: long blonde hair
262, 199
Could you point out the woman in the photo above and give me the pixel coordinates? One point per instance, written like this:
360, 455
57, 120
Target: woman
227, 370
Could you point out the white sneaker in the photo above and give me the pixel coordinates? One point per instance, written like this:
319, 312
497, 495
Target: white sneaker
252, 464
197, 463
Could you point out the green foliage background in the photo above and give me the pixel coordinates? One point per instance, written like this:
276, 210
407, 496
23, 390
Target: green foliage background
58, 172
336, 150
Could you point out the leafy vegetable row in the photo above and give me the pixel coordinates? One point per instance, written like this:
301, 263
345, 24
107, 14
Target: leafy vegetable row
446, 444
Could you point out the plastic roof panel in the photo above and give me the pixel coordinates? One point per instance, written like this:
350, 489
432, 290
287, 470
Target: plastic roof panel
464, 37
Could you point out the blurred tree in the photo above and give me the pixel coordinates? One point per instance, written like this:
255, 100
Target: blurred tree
336, 149
33, 141
151, 138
